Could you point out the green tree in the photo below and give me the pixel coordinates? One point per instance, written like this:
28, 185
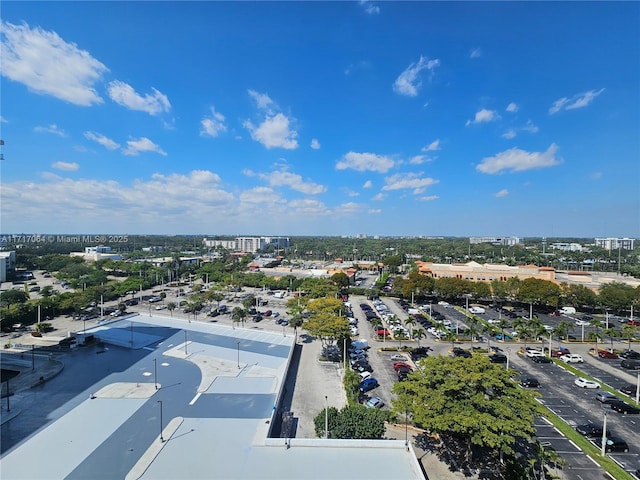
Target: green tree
539, 292
596, 334
352, 422
340, 280
418, 334
461, 398
238, 315
617, 296
628, 333
318, 287
563, 329
171, 306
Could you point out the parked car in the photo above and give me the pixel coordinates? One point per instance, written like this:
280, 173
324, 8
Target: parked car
542, 359
630, 354
584, 383
498, 358
590, 430
572, 358
623, 407
606, 397
629, 389
557, 353
530, 382
535, 353
368, 384
607, 354
630, 364
374, 402
399, 358
613, 444
399, 365
461, 352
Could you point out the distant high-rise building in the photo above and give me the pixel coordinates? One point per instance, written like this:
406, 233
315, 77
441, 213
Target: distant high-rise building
249, 244
615, 243
505, 241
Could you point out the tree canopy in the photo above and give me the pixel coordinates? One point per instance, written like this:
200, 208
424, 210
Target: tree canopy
469, 400
353, 421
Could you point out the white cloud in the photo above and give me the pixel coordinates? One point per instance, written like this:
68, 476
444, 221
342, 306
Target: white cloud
378, 197
102, 140
294, 181
530, 127
367, 184
66, 166
212, 125
413, 181
262, 99
363, 162
484, 116
260, 196
124, 94
369, 8
142, 144
429, 198
596, 176
408, 83
375, 211
308, 206
361, 65
48, 65
512, 107
502, 193
432, 147
274, 132
517, 160
53, 129
509, 134
418, 159
579, 100
475, 53
3, 120
315, 144
350, 193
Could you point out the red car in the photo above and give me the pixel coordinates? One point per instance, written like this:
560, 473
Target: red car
607, 354
560, 352
383, 331
398, 365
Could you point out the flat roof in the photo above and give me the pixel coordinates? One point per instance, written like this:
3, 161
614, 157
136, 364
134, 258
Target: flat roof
217, 398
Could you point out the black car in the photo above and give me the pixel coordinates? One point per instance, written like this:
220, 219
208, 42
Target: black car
630, 354
629, 389
614, 444
630, 364
541, 360
590, 430
257, 317
498, 358
623, 407
530, 382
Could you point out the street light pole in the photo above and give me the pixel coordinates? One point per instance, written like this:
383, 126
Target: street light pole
638, 390
238, 355
185, 342
508, 356
326, 416
603, 450
161, 437
155, 372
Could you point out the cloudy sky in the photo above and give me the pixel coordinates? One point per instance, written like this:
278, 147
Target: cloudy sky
328, 118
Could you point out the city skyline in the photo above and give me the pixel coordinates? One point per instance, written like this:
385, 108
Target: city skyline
322, 119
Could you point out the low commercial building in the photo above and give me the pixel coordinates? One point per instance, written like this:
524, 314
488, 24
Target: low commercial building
485, 272
7, 264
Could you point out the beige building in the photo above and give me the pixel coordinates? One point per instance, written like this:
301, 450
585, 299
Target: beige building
485, 272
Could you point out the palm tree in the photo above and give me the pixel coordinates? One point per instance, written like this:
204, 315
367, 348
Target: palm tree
451, 336
504, 323
238, 314
611, 333
171, 306
410, 322
563, 329
596, 323
629, 333
489, 330
418, 334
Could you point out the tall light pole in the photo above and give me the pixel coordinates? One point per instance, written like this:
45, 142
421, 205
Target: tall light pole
161, 437
155, 372
508, 356
638, 389
603, 449
185, 342
238, 355
326, 416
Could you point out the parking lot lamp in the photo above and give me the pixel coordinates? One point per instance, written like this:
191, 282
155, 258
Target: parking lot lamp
326, 416
603, 448
161, 437
238, 355
508, 356
638, 389
155, 372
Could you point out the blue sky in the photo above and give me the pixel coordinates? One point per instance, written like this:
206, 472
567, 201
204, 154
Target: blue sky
327, 118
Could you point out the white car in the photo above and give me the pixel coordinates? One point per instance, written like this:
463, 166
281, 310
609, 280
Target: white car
476, 310
535, 353
581, 323
572, 358
397, 357
584, 383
